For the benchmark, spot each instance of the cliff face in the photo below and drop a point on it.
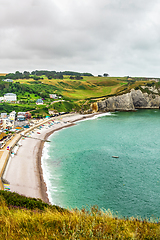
(129, 102)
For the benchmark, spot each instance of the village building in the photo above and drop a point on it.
(7, 123)
(10, 97)
(28, 115)
(8, 80)
(21, 118)
(39, 102)
(3, 115)
(53, 96)
(12, 115)
(21, 113)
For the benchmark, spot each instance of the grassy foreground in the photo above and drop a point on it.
(42, 221)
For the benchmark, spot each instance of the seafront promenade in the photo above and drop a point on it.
(5, 156)
(23, 171)
(5, 153)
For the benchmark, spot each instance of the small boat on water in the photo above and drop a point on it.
(115, 157)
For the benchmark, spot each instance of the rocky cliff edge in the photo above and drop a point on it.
(128, 102)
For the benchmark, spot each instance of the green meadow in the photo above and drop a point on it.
(90, 87)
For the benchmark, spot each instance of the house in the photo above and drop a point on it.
(21, 118)
(10, 97)
(51, 112)
(21, 113)
(53, 96)
(3, 115)
(12, 115)
(1, 99)
(8, 80)
(39, 102)
(28, 115)
(7, 123)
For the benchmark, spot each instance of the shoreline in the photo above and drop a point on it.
(43, 186)
(24, 171)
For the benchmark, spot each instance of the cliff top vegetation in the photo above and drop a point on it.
(27, 218)
(78, 90)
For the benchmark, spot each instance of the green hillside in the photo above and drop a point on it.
(77, 90)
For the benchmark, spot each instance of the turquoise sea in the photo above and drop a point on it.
(79, 169)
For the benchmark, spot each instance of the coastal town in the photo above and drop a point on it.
(15, 122)
(17, 126)
(29, 140)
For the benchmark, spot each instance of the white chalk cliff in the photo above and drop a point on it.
(129, 102)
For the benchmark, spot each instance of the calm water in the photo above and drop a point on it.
(80, 171)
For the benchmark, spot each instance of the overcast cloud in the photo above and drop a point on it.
(120, 37)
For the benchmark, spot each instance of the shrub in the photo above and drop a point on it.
(14, 199)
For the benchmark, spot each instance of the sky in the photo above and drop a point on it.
(118, 37)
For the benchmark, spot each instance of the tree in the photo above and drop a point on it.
(105, 75)
(78, 77)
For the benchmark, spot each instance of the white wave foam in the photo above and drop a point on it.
(45, 169)
(45, 151)
(102, 115)
(96, 116)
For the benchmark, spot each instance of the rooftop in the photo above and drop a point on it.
(9, 94)
(39, 101)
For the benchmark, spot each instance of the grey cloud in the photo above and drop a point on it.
(118, 36)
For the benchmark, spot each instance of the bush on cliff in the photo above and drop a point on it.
(16, 200)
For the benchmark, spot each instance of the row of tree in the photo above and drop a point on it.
(37, 74)
(40, 90)
(104, 75)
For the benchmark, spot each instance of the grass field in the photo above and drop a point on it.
(27, 218)
(88, 87)
(3, 74)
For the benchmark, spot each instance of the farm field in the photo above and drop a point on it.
(90, 87)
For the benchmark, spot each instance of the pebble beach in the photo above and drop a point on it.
(24, 171)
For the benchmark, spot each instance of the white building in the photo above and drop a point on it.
(3, 115)
(53, 96)
(7, 123)
(12, 115)
(39, 102)
(10, 97)
(8, 80)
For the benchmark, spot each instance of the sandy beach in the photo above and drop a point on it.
(24, 171)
